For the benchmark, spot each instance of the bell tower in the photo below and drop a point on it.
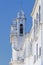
(17, 36)
(21, 23)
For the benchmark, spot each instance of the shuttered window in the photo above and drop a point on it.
(34, 58)
(39, 51)
(39, 13)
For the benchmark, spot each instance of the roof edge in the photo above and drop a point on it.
(34, 7)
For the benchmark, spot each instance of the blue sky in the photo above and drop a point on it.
(8, 11)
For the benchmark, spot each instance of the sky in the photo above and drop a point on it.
(8, 11)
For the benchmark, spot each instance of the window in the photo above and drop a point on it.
(39, 51)
(37, 16)
(31, 47)
(39, 13)
(34, 58)
(21, 29)
(35, 26)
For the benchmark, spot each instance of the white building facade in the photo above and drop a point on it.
(36, 17)
(26, 48)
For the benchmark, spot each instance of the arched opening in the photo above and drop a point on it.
(21, 29)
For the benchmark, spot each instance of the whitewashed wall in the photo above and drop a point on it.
(42, 28)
